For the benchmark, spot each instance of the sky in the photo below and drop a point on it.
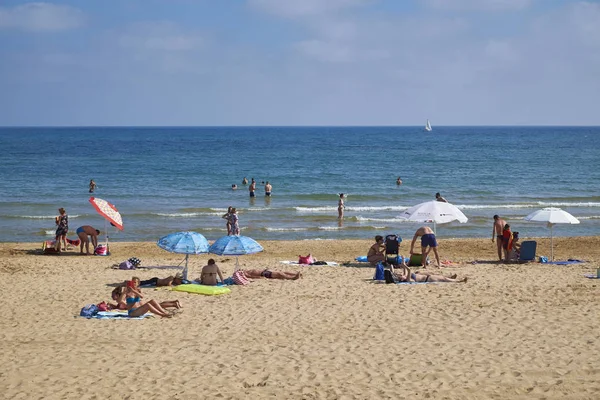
(299, 62)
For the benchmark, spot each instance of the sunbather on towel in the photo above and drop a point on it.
(136, 308)
(209, 274)
(407, 276)
(265, 273)
(168, 281)
(119, 296)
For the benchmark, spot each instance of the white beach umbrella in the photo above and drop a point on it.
(551, 216)
(438, 212)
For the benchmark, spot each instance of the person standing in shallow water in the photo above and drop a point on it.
(93, 186)
(252, 188)
(268, 189)
(341, 206)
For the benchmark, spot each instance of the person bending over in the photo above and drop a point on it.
(209, 273)
(428, 243)
(85, 233)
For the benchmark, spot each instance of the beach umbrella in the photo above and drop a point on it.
(184, 243)
(110, 214)
(235, 245)
(552, 216)
(438, 212)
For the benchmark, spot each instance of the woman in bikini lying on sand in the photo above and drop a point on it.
(119, 295)
(407, 276)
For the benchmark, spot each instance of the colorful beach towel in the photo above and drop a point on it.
(591, 276)
(568, 262)
(118, 315)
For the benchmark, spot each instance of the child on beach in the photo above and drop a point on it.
(507, 238)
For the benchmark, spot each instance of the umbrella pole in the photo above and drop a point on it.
(106, 232)
(185, 269)
(237, 263)
(551, 244)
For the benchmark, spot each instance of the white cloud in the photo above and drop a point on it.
(304, 8)
(478, 5)
(41, 17)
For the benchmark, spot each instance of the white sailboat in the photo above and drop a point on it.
(428, 126)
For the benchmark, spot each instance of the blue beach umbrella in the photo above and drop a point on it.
(235, 245)
(184, 243)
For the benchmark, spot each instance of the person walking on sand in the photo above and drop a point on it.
(341, 206)
(439, 197)
(268, 189)
(252, 188)
(428, 243)
(84, 233)
(497, 231)
(93, 186)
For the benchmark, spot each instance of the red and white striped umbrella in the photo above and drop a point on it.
(108, 211)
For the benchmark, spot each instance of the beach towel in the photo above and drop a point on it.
(364, 259)
(116, 315)
(568, 262)
(591, 276)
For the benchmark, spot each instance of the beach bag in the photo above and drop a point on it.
(89, 311)
(239, 278)
(101, 250)
(379, 272)
(389, 278)
(415, 260)
(309, 259)
(126, 265)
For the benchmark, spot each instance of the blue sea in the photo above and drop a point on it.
(164, 180)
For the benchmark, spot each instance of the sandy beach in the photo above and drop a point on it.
(513, 331)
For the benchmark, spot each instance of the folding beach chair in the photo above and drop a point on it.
(392, 249)
(528, 248)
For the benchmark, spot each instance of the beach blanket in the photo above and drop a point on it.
(568, 262)
(117, 315)
(296, 263)
(591, 276)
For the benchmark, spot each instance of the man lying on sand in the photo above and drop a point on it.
(265, 273)
(406, 276)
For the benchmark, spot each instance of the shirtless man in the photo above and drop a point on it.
(252, 188)
(268, 189)
(84, 233)
(209, 273)
(428, 243)
(439, 197)
(497, 231)
(265, 273)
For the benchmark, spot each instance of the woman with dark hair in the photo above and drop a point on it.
(377, 251)
(62, 222)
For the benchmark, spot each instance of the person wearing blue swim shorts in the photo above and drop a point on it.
(428, 243)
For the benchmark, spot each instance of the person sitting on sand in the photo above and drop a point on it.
(407, 276)
(376, 252)
(118, 295)
(514, 248)
(85, 233)
(265, 273)
(135, 308)
(209, 274)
